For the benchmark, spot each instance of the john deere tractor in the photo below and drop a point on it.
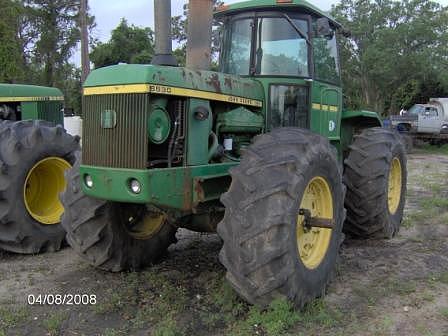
(35, 151)
(262, 152)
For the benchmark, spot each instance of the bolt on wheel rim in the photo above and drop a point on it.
(394, 186)
(313, 243)
(146, 226)
(41, 189)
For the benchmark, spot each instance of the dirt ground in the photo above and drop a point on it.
(390, 287)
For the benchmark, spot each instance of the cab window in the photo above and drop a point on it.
(289, 106)
(236, 59)
(280, 48)
(326, 61)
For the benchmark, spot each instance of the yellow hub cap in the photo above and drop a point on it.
(394, 189)
(147, 226)
(41, 190)
(312, 244)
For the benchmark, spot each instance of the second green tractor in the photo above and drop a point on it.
(261, 152)
(35, 151)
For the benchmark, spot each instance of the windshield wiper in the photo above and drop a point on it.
(297, 29)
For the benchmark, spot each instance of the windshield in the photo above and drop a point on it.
(425, 110)
(279, 47)
(417, 109)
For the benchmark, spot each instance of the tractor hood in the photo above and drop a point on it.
(178, 81)
(22, 92)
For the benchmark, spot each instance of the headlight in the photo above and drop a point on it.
(88, 181)
(135, 185)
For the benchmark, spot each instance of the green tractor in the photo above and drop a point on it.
(261, 152)
(35, 151)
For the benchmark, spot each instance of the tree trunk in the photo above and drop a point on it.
(85, 61)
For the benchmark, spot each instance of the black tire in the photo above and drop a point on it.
(408, 142)
(96, 231)
(22, 145)
(366, 176)
(260, 250)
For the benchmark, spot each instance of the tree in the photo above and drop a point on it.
(128, 44)
(84, 29)
(179, 26)
(11, 67)
(396, 46)
(58, 34)
(37, 39)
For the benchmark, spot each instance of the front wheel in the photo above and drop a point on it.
(283, 218)
(113, 236)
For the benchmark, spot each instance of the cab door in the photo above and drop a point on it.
(326, 101)
(430, 120)
(326, 109)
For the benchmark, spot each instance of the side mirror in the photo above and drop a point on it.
(323, 28)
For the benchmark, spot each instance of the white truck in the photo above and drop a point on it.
(427, 122)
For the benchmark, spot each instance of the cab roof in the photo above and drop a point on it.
(243, 6)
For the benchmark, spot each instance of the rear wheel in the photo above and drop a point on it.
(408, 142)
(113, 236)
(283, 218)
(33, 158)
(375, 176)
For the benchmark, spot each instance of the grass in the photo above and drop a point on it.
(435, 203)
(443, 277)
(125, 296)
(225, 300)
(12, 317)
(444, 312)
(280, 318)
(318, 313)
(428, 296)
(277, 319)
(113, 332)
(401, 287)
(431, 200)
(53, 323)
(146, 300)
(227, 311)
(434, 149)
(167, 327)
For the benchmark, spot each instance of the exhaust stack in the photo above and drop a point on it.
(200, 15)
(162, 22)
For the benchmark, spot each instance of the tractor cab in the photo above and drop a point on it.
(290, 47)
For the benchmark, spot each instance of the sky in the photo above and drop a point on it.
(108, 14)
(140, 13)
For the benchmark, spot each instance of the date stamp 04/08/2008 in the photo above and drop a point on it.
(61, 299)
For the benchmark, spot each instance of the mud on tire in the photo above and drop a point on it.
(259, 229)
(367, 173)
(24, 144)
(96, 231)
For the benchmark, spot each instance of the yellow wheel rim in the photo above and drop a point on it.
(313, 244)
(146, 227)
(394, 189)
(41, 190)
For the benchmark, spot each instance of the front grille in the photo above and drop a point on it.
(50, 111)
(126, 144)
